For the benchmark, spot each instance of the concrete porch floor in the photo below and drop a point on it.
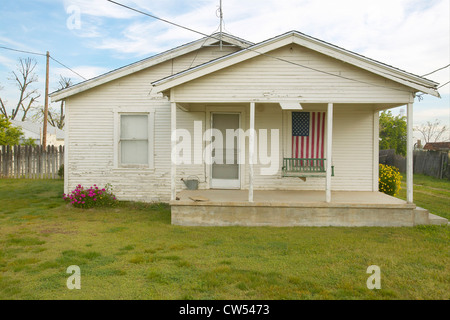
(293, 208)
(286, 197)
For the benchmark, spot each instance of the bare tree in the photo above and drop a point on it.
(432, 131)
(55, 117)
(23, 78)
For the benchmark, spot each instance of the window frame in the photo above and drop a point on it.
(118, 112)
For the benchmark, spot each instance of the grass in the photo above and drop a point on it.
(430, 193)
(133, 252)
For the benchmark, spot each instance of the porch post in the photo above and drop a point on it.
(409, 153)
(329, 146)
(173, 171)
(251, 150)
(376, 150)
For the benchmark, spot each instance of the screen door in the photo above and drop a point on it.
(225, 167)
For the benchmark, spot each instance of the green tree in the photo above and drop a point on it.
(9, 135)
(29, 142)
(393, 132)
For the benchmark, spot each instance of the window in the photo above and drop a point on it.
(134, 140)
(134, 137)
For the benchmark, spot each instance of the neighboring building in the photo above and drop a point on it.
(118, 125)
(55, 136)
(437, 146)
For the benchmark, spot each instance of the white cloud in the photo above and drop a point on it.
(430, 114)
(7, 62)
(412, 35)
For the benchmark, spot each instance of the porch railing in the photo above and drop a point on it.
(297, 167)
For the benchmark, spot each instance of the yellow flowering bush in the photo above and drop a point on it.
(389, 180)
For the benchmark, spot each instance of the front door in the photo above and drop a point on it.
(225, 173)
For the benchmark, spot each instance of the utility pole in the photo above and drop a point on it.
(44, 131)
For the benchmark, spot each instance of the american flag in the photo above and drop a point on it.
(308, 131)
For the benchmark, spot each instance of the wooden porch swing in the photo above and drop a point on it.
(304, 167)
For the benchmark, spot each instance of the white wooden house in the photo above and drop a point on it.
(119, 131)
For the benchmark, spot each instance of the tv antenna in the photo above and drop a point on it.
(221, 23)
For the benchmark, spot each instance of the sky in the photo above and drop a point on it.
(92, 37)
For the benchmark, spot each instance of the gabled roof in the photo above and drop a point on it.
(34, 129)
(148, 62)
(294, 37)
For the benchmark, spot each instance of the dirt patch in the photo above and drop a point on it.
(57, 231)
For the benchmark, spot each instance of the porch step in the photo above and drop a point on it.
(437, 220)
(421, 216)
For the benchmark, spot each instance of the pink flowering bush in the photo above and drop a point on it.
(91, 197)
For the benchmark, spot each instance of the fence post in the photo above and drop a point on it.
(60, 158)
(34, 159)
(40, 155)
(19, 160)
(1, 172)
(27, 162)
(30, 162)
(53, 162)
(1, 162)
(47, 162)
(14, 162)
(10, 159)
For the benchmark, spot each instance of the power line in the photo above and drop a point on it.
(68, 68)
(443, 84)
(253, 50)
(435, 70)
(29, 52)
(43, 54)
(164, 20)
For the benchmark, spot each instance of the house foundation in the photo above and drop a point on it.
(287, 208)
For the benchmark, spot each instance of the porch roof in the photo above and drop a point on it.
(294, 37)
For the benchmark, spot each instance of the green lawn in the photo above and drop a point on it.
(133, 252)
(430, 193)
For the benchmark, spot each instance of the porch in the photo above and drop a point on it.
(293, 208)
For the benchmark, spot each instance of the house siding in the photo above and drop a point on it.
(91, 127)
(264, 78)
(91, 130)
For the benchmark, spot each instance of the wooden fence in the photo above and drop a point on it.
(431, 163)
(31, 162)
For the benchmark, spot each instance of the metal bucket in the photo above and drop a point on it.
(191, 184)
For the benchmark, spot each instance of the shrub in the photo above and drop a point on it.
(389, 180)
(91, 197)
(61, 171)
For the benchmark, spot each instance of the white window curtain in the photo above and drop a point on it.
(134, 140)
